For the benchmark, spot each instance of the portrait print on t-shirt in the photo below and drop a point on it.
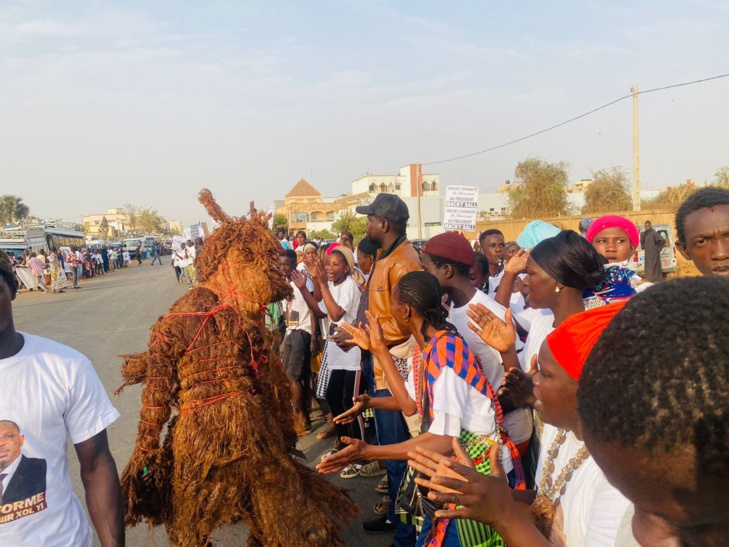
(22, 479)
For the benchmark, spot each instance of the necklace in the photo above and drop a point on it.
(551, 490)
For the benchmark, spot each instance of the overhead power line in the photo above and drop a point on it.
(630, 94)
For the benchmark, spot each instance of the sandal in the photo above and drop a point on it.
(329, 453)
(382, 506)
(351, 471)
(382, 486)
(373, 469)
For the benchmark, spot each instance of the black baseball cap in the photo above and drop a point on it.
(387, 206)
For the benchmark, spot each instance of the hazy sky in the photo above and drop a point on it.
(103, 103)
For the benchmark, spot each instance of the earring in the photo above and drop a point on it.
(556, 289)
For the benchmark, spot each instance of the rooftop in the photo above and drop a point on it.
(303, 189)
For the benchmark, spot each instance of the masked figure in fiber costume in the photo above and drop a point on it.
(212, 379)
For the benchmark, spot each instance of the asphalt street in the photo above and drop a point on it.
(110, 316)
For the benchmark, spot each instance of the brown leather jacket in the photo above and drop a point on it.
(388, 271)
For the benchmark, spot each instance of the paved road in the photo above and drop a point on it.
(111, 315)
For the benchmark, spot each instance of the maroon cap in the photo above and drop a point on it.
(451, 246)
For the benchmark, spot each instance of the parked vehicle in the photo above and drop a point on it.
(669, 262)
(132, 245)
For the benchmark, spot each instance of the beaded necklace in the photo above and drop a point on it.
(550, 491)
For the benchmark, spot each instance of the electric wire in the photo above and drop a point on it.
(551, 128)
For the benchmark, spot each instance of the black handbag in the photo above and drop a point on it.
(411, 497)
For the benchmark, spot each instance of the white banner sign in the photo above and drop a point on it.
(461, 203)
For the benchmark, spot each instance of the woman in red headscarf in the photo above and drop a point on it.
(574, 503)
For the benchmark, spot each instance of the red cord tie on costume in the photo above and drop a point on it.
(198, 403)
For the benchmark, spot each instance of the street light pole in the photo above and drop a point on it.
(636, 151)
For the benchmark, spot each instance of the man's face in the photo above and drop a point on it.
(11, 441)
(439, 272)
(280, 236)
(375, 228)
(707, 240)
(493, 248)
(648, 225)
(675, 505)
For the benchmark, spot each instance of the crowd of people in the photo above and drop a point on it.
(534, 392)
(52, 271)
(471, 363)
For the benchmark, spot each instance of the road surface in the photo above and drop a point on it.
(110, 316)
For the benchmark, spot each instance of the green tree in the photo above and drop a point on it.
(669, 199)
(349, 222)
(323, 234)
(104, 229)
(150, 221)
(541, 192)
(132, 212)
(12, 209)
(279, 221)
(721, 178)
(608, 192)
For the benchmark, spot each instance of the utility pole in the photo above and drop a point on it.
(636, 151)
(420, 188)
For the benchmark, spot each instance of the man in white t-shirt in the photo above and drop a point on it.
(449, 257)
(51, 392)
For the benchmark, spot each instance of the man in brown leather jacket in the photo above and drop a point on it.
(387, 219)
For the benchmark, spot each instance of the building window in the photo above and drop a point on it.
(303, 216)
(373, 188)
(317, 216)
(383, 188)
(434, 186)
(292, 218)
(397, 187)
(391, 188)
(426, 186)
(330, 216)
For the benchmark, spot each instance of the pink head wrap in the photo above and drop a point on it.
(613, 221)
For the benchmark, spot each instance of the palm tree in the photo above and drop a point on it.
(12, 209)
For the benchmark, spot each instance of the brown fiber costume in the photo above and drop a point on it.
(213, 380)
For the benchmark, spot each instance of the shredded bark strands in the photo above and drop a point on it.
(216, 429)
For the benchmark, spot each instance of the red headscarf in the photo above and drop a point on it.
(572, 341)
(613, 221)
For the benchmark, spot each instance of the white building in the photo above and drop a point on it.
(404, 184)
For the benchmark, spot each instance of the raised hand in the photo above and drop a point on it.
(518, 386)
(484, 498)
(342, 339)
(339, 460)
(299, 279)
(317, 273)
(359, 335)
(517, 263)
(500, 335)
(361, 403)
(374, 329)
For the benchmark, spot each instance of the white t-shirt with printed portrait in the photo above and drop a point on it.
(52, 393)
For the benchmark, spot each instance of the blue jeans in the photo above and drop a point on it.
(79, 271)
(391, 429)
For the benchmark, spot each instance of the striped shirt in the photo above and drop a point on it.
(37, 265)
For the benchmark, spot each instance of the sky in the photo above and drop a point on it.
(147, 102)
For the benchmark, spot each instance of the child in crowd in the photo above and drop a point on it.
(340, 296)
